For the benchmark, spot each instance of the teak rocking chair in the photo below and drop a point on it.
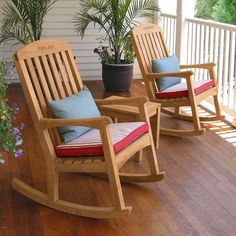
(149, 45)
(48, 71)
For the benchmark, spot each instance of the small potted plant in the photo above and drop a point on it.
(10, 135)
(116, 18)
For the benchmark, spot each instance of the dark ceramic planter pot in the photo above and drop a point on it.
(117, 77)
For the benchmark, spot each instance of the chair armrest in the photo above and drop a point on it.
(136, 101)
(96, 122)
(139, 102)
(180, 74)
(201, 66)
(100, 123)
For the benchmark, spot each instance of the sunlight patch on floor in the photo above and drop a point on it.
(228, 135)
(201, 112)
(222, 129)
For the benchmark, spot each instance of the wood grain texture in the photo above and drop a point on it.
(197, 196)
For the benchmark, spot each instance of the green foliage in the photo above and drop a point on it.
(3, 82)
(10, 136)
(218, 10)
(204, 8)
(225, 11)
(116, 18)
(23, 20)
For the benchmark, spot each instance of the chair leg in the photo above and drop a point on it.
(139, 156)
(152, 159)
(115, 186)
(217, 106)
(195, 116)
(177, 111)
(53, 185)
(155, 125)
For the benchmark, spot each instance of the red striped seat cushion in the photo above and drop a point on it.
(89, 144)
(180, 89)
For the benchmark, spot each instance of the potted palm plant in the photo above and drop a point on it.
(116, 18)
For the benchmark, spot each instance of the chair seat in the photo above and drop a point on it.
(89, 144)
(180, 89)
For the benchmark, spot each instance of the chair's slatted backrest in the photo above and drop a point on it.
(47, 71)
(149, 44)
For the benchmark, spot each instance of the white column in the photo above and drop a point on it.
(185, 9)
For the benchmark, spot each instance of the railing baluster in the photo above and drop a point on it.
(231, 69)
(201, 51)
(193, 44)
(206, 50)
(220, 63)
(211, 51)
(235, 78)
(188, 43)
(198, 49)
(226, 70)
(216, 46)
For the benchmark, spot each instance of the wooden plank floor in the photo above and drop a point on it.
(197, 196)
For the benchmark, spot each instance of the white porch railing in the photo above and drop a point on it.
(208, 41)
(168, 24)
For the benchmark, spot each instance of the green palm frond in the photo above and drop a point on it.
(140, 8)
(23, 20)
(115, 17)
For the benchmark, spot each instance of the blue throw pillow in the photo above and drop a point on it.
(79, 105)
(167, 64)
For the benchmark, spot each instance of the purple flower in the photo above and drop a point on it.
(18, 138)
(18, 153)
(15, 107)
(19, 141)
(22, 126)
(15, 131)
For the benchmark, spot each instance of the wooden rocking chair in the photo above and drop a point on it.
(48, 72)
(149, 45)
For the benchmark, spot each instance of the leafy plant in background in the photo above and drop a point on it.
(225, 11)
(218, 10)
(10, 136)
(23, 20)
(116, 18)
(204, 8)
(107, 54)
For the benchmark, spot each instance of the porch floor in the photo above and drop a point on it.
(197, 196)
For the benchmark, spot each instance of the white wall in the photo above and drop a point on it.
(59, 25)
(168, 6)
